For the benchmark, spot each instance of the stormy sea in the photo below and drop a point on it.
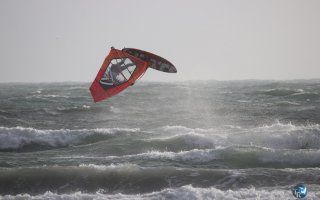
(183, 140)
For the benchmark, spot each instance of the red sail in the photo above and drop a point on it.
(118, 71)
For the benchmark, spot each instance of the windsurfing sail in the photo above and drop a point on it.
(118, 71)
(121, 68)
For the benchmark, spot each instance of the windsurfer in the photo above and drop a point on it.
(116, 69)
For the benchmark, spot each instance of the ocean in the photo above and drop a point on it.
(182, 140)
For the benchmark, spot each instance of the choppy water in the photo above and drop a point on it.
(186, 140)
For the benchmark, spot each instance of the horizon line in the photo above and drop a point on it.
(175, 81)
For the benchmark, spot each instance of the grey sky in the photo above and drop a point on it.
(67, 40)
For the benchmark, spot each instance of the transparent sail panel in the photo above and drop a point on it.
(119, 71)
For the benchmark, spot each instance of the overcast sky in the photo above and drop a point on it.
(67, 40)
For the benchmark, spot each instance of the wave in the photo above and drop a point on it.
(194, 156)
(230, 157)
(73, 108)
(288, 103)
(282, 136)
(290, 126)
(29, 139)
(306, 95)
(169, 138)
(184, 192)
(277, 124)
(291, 96)
(84, 108)
(282, 91)
(113, 167)
(186, 140)
(131, 181)
(183, 129)
(46, 96)
(106, 152)
(277, 135)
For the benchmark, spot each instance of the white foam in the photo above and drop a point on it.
(262, 155)
(83, 107)
(244, 101)
(86, 107)
(118, 167)
(183, 193)
(183, 129)
(288, 103)
(288, 126)
(115, 110)
(46, 96)
(39, 91)
(196, 155)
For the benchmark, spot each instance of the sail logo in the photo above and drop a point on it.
(299, 191)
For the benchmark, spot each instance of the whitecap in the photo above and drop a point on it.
(180, 193)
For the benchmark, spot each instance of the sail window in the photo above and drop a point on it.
(118, 71)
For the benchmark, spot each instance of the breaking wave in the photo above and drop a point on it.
(183, 192)
(171, 138)
(230, 157)
(276, 136)
(20, 138)
(226, 157)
